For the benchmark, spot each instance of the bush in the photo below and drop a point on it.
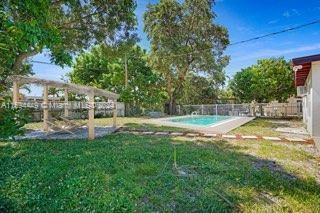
(12, 120)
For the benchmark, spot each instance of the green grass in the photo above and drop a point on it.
(153, 127)
(258, 126)
(131, 123)
(134, 173)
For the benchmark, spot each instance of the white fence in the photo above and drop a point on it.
(275, 110)
(77, 110)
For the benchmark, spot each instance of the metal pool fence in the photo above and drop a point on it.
(272, 110)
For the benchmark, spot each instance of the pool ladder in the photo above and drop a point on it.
(194, 113)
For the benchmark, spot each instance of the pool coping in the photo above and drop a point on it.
(222, 127)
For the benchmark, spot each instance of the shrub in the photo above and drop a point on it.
(12, 120)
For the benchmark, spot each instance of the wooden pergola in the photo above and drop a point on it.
(91, 92)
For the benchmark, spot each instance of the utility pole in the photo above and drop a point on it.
(126, 70)
(126, 82)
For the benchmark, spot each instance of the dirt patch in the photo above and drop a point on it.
(273, 167)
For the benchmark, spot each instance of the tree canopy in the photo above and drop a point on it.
(63, 28)
(269, 79)
(184, 39)
(104, 67)
(199, 90)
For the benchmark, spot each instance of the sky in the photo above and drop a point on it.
(244, 19)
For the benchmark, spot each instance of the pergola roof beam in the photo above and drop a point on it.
(78, 89)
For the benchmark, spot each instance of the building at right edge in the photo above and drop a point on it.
(307, 81)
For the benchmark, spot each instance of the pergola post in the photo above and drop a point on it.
(66, 104)
(15, 93)
(45, 108)
(78, 89)
(91, 134)
(115, 111)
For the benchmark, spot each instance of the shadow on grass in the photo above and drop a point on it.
(127, 173)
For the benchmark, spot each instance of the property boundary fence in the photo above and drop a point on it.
(271, 110)
(77, 109)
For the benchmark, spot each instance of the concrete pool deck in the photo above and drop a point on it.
(80, 133)
(221, 127)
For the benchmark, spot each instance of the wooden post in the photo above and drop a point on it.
(91, 134)
(66, 110)
(253, 105)
(45, 108)
(286, 110)
(115, 111)
(15, 93)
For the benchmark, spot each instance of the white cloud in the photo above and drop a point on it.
(273, 21)
(243, 29)
(290, 13)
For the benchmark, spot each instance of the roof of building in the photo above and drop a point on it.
(302, 67)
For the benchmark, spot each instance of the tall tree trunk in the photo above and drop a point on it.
(170, 94)
(172, 105)
(179, 86)
(16, 67)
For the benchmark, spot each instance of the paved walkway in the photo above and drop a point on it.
(225, 127)
(80, 133)
(219, 136)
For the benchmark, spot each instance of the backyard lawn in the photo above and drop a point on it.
(131, 123)
(259, 126)
(265, 127)
(125, 172)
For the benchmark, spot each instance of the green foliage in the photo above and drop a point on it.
(270, 79)
(199, 90)
(12, 120)
(62, 28)
(104, 67)
(184, 40)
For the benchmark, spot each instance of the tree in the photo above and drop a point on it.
(269, 79)
(104, 67)
(61, 27)
(199, 90)
(54, 92)
(184, 39)
(12, 120)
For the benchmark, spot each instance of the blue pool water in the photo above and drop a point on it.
(201, 120)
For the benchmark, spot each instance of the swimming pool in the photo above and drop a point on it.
(201, 120)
